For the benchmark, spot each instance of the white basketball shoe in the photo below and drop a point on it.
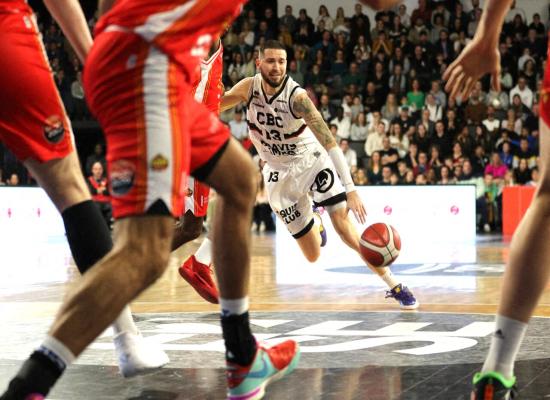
(138, 356)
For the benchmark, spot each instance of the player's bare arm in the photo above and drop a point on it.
(236, 95)
(70, 18)
(303, 107)
(481, 55)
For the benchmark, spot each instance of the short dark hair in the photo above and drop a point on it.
(272, 44)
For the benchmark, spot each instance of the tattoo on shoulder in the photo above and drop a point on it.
(304, 107)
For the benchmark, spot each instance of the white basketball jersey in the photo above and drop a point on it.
(280, 137)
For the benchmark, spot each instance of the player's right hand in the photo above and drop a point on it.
(355, 204)
(477, 59)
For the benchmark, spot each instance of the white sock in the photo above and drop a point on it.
(505, 345)
(125, 322)
(57, 352)
(234, 306)
(389, 279)
(204, 252)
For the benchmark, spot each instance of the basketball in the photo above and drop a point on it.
(380, 244)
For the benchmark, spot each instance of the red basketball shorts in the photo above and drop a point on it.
(196, 199)
(33, 122)
(156, 132)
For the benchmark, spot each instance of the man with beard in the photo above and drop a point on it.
(303, 161)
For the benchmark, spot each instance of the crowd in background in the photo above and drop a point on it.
(377, 83)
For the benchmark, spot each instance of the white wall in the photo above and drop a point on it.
(312, 6)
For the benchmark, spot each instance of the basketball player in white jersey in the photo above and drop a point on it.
(303, 161)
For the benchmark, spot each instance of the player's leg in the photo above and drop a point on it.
(348, 234)
(223, 164)
(231, 239)
(197, 269)
(188, 228)
(35, 126)
(525, 278)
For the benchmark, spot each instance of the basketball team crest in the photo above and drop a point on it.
(122, 174)
(54, 129)
(159, 163)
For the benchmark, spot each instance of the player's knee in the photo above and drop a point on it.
(245, 187)
(312, 256)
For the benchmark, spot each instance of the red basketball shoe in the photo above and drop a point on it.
(199, 276)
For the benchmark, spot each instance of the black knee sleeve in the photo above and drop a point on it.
(88, 235)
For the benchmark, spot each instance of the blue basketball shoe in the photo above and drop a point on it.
(322, 231)
(404, 296)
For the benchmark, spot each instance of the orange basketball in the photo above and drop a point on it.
(380, 244)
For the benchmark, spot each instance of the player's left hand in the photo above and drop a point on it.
(356, 205)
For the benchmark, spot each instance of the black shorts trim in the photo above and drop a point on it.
(159, 207)
(332, 201)
(304, 231)
(204, 170)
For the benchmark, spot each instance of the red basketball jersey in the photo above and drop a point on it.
(182, 29)
(208, 90)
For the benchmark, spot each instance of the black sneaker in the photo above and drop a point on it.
(493, 386)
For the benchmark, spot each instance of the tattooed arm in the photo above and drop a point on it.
(303, 107)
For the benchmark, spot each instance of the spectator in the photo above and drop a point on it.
(496, 169)
(77, 92)
(325, 17)
(327, 110)
(288, 19)
(403, 15)
(374, 140)
(238, 127)
(523, 91)
(349, 154)
(374, 169)
(343, 124)
(97, 155)
(446, 178)
(388, 155)
(422, 166)
(398, 140)
(390, 110)
(522, 174)
(99, 189)
(13, 180)
(294, 73)
(360, 177)
(415, 97)
(359, 128)
(442, 139)
(534, 177)
(386, 176)
(506, 154)
(524, 153)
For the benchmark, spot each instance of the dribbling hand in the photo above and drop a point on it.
(355, 204)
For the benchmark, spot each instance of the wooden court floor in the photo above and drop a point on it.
(356, 343)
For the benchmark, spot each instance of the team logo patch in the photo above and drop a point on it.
(323, 181)
(189, 192)
(54, 130)
(159, 163)
(122, 174)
